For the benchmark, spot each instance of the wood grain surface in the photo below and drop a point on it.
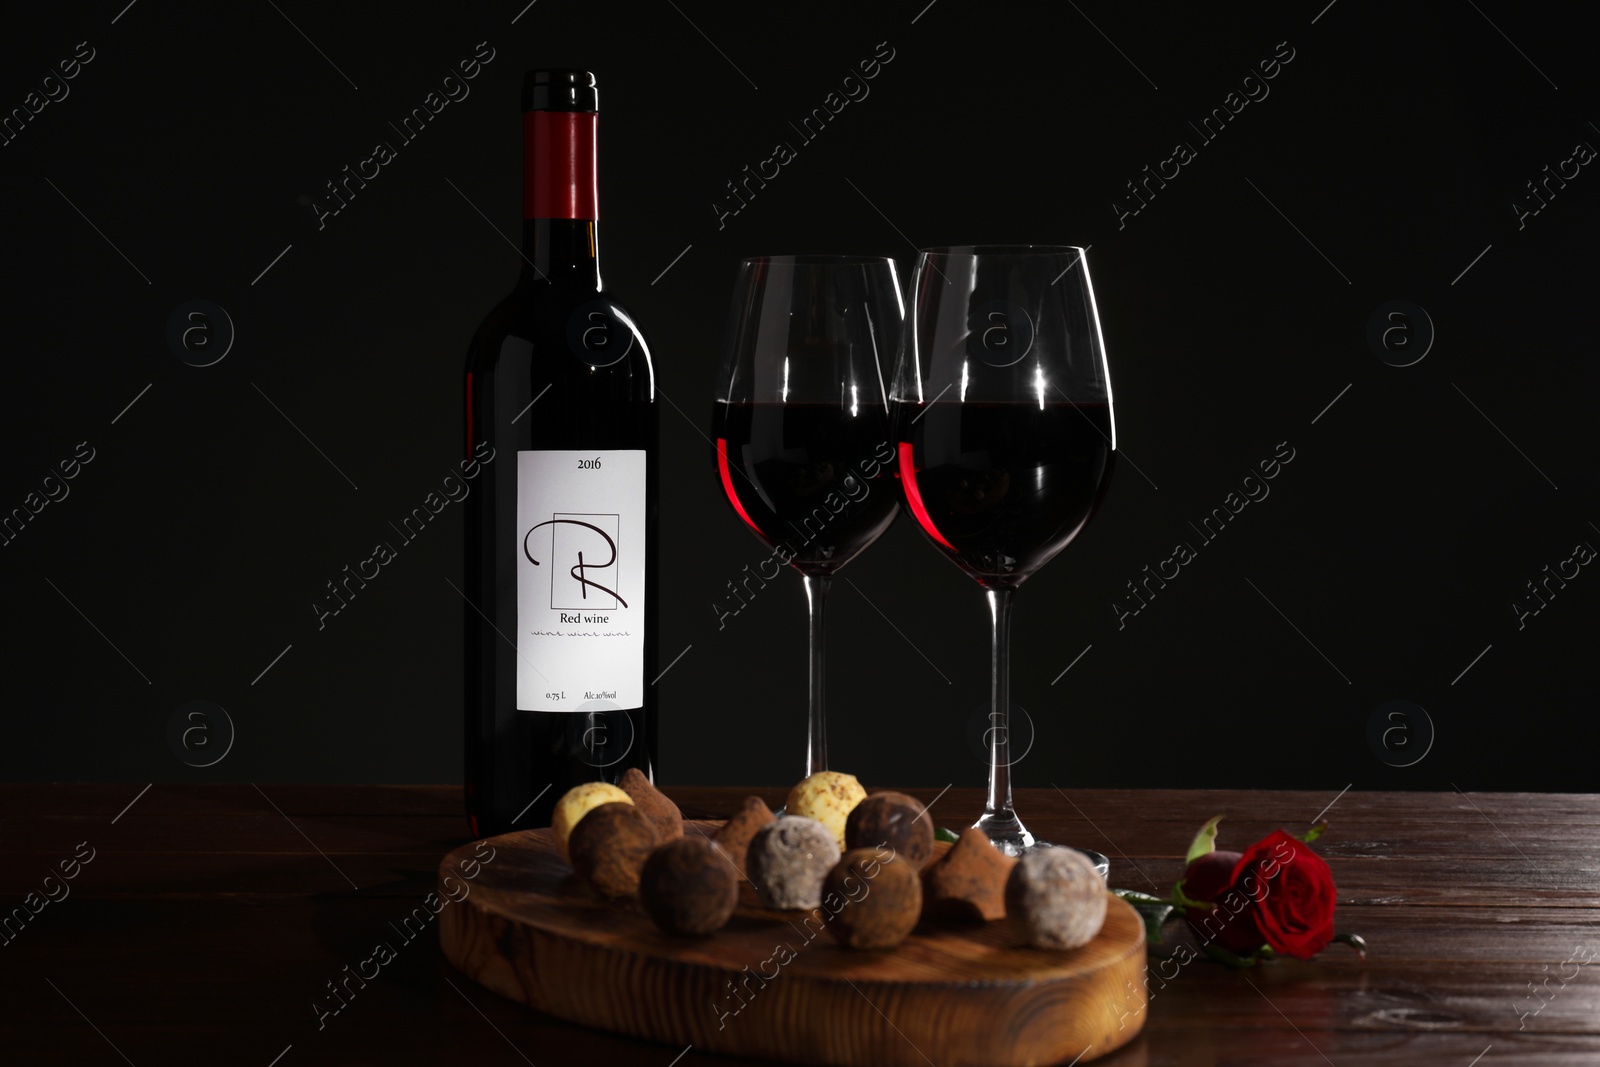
(213, 918)
(532, 932)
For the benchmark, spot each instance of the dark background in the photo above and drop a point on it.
(189, 551)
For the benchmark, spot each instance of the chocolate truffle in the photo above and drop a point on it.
(968, 883)
(1056, 898)
(892, 819)
(878, 898)
(609, 847)
(735, 834)
(662, 813)
(689, 887)
(577, 802)
(788, 859)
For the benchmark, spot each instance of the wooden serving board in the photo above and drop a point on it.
(529, 930)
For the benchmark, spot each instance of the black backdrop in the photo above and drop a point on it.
(1383, 161)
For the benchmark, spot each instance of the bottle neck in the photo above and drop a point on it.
(563, 252)
(560, 240)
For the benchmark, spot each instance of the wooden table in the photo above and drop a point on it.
(211, 919)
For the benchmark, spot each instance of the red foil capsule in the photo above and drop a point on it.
(560, 148)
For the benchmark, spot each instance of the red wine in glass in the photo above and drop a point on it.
(1002, 487)
(807, 476)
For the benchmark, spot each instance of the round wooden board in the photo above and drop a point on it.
(970, 996)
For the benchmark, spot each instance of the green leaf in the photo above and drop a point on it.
(1355, 941)
(1153, 910)
(1315, 832)
(1133, 896)
(1226, 958)
(942, 834)
(1205, 841)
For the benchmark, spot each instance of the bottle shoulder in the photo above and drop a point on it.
(527, 312)
(587, 330)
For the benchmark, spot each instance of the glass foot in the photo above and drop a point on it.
(1101, 864)
(1008, 834)
(1016, 844)
(1006, 831)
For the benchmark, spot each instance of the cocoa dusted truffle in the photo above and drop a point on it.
(878, 897)
(968, 883)
(609, 846)
(1056, 898)
(688, 887)
(735, 834)
(788, 860)
(892, 819)
(662, 813)
(577, 802)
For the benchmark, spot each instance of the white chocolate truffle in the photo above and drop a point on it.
(828, 797)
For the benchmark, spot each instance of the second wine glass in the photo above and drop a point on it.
(801, 426)
(1003, 419)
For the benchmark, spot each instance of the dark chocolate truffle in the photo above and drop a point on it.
(892, 819)
(874, 897)
(609, 846)
(662, 813)
(689, 887)
(735, 834)
(968, 882)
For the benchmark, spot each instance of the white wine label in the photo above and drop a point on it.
(580, 580)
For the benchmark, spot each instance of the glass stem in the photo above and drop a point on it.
(1000, 820)
(817, 586)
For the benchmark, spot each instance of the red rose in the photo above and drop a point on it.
(1277, 892)
(1230, 921)
(1293, 894)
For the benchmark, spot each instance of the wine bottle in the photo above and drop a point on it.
(561, 532)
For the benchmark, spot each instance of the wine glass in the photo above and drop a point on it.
(1004, 430)
(801, 426)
